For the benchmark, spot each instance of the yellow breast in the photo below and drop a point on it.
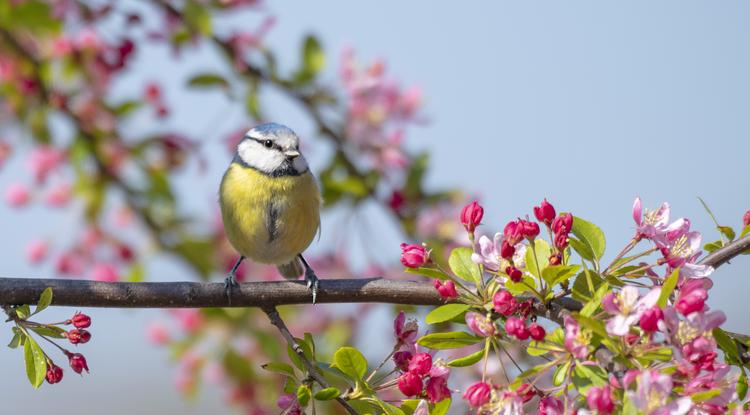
(269, 219)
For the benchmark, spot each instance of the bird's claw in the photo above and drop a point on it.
(230, 283)
(312, 283)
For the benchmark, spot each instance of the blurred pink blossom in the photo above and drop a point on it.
(17, 195)
(59, 195)
(37, 250)
(104, 272)
(43, 160)
(157, 333)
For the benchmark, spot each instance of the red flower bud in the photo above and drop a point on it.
(746, 218)
(514, 325)
(530, 229)
(513, 232)
(555, 259)
(125, 253)
(80, 321)
(77, 336)
(525, 392)
(397, 201)
(447, 289)
(691, 303)
(562, 224)
(77, 362)
(413, 256)
(410, 384)
(54, 374)
(545, 212)
(478, 394)
(471, 216)
(514, 274)
(523, 333)
(650, 319)
(401, 360)
(420, 364)
(600, 399)
(561, 241)
(507, 250)
(537, 332)
(504, 303)
(437, 389)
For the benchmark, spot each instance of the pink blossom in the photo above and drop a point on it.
(650, 319)
(36, 251)
(414, 256)
(405, 331)
(563, 224)
(692, 296)
(600, 399)
(437, 389)
(104, 272)
(189, 320)
(420, 364)
(652, 395)
(289, 404)
(549, 405)
(627, 308)
(423, 408)
(59, 195)
(158, 334)
(575, 340)
(43, 160)
(682, 250)
(650, 224)
(401, 359)
(516, 327)
(69, 263)
(17, 195)
(478, 394)
(513, 232)
(481, 325)
(746, 218)
(504, 303)
(490, 253)
(446, 289)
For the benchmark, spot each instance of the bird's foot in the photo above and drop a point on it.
(312, 283)
(230, 283)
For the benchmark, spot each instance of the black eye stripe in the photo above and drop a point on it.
(262, 142)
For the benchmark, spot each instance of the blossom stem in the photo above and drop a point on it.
(486, 357)
(622, 253)
(380, 366)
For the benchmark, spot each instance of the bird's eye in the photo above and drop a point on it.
(268, 143)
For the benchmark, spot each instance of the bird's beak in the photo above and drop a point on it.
(292, 154)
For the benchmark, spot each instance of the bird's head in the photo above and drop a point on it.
(272, 149)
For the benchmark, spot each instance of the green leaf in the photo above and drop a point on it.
(542, 255)
(237, 366)
(595, 325)
(560, 373)
(279, 367)
(306, 350)
(124, 108)
(445, 313)
(45, 299)
(136, 273)
(17, 339)
(582, 248)
(668, 288)
(727, 345)
(351, 362)
(727, 231)
(522, 286)
(208, 80)
(663, 354)
(313, 60)
(49, 331)
(712, 246)
(36, 364)
(585, 285)
(590, 235)
(427, 272)
(23, 311)
(592, 305)
(467, 360)
(198, 17)
(559, 273)
(389, 409)
(745, 231)
(533, 349)
(441, 408)
(449, 340)
(742, 386)
(327, 394)
(586, 376)
(303, 395)
(705, 395)
(462, 265)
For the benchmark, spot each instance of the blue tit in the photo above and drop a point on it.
(270, 203)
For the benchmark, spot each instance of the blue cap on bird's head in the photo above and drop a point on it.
(272, 149)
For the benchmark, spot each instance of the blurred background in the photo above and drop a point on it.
(120, 139)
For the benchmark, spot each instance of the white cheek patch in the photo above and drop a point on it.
(257, 156)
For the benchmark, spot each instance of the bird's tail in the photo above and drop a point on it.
(291, 270)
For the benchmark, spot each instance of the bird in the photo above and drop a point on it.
(270, 204)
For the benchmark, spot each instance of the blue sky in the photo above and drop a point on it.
(586, 103)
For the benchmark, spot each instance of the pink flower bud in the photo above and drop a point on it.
(600, 400)
(530, 229)
(446, 289)
(125, 253)
(507, 250)
(413, 256)
(504, 303)
(562, 224)
(513, 232)
(420, 364)
(36, 251)
(514, 326)
(77, 362)
(104, 272)
(478, 394)
(537, 332)
(471, 216)
(78, 336)
(80, 321)
(54, 374)
(695, 301)
(480, 324)
(437, 389)
(401, 360)
(650, 319)
(746, 218)
(17, 195)
(514, 274)
(525, 392)
(545, 212)
(410, 384)
(561, 241)
(550, 405)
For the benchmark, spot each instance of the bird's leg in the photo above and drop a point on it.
(312, 280)
(231, 281)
